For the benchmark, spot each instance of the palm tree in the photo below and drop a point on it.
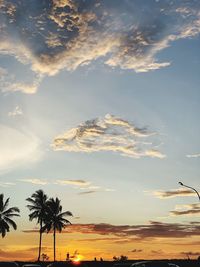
(38, 208)
(55, 220)
(6, 216)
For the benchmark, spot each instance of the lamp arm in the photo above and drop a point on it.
(193, 190)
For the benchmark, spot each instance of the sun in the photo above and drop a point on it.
(78, 259)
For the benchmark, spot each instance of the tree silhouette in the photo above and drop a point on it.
(55, 220)
(6, 215)
(38, 208)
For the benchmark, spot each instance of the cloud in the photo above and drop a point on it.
(34, 181)
(73, 182)
(193, 155)
(137, 250)
(6, 184)
(87, 192)
(78, 183)
(86, 187)
(190, 210)
(100, 239)
(173, 193)
(18, 148)
(9, 83)
(67, 34)
(16, 112)
(110, 190)
(157, 252)
(152, 230)
(109, 134)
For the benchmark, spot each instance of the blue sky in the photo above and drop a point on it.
(100, 107)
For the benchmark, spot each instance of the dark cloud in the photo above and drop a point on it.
(136, 232)
(190, 210)
(107, 239)
(137, 250)
(51, 35)
(109, 134)
(186, 212)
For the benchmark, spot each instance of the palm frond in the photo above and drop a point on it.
(66, 213)
(6, 215)
(10, 210)
(6, 204)
(11, 222)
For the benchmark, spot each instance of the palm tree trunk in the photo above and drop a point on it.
(54, 243)
(40, 242)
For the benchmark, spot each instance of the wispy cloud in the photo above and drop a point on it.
(69, 34)
(137, 250)
(10, 82)
(190, 210)
(6, 184)
(193, 155)
(87, 192)
(84, 187)
(109, 134)
(34, 181)
(157, 252)
(78, 183)
(16, 112)
(173, 193)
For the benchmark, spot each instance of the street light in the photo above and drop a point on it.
(191, 189)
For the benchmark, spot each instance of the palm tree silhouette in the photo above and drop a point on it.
(6, 216)
(38, 208)
(55, 220)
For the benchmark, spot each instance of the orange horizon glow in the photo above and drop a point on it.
(157, 249)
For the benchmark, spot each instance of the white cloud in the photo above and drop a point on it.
(84, 187)
(110, 190)
(6, 184)
(108, 134)
(34, 181)
(73, 182)
(16, 112)
(18, 148)
(9, 83)
(193, 155)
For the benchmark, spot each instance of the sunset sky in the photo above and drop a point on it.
(99, 106)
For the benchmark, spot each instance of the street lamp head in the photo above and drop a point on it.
(180, 183)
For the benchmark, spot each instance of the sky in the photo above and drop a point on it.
(99, 106)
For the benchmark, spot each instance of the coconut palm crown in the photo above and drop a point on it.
(6, 215)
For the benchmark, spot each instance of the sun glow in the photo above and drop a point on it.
(77, 260)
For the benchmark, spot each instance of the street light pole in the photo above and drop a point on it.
(191, 189)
